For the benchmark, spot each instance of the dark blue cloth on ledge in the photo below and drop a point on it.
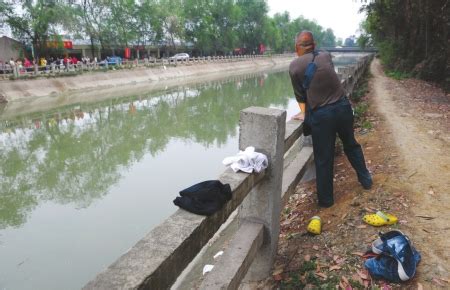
(204, 198)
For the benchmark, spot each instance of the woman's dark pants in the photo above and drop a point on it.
(325, 122)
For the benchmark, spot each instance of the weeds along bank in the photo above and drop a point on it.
(128, 79)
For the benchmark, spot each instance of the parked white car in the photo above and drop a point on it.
(180, 56)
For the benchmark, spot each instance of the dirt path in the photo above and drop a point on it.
(425, 169)
(406, 146)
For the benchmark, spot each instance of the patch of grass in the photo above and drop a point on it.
(398, 75)
(360, 110)
(366, 124)
(357, 94)
(360, 106)
(306, 276)
(311, 278)
(356, 284)
(361, 89)
(308, 266)
(294, 282)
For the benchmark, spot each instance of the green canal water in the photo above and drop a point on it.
(80, 185)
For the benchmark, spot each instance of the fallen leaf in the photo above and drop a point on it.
(277, 277)
(322, 275)
(356, 277)
(419, 286)
(361, 227)
(357, 254)
(426, 217)
(286, 222)
(345, 280)
(335, 257)
(278, 272)
(332, 268)
(370, 209)
(340, 261)
(445, 280)
(435, 280)
(315, 247)
(362, 275)
(307, 258)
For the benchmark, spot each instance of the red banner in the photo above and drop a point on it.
(127, 52)
(262, 48)
(65, 43)
(68, 44)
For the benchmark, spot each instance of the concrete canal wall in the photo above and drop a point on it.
(115, 81)
(159, 258)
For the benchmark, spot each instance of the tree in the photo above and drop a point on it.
(282, 23)
(252, 20)
(328, 38)
(170, 15)
(148, 24)
(35, 22)
(122, 25)
(209, 26)
(90, 20)
(411, 35)
(350, 41)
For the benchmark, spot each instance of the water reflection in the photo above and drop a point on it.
(75, 154)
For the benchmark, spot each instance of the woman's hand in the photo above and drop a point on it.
(300, 116)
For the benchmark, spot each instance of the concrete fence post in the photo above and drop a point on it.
(264, 129)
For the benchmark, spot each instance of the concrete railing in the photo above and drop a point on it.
(159, 258)
(352, 73)
(14, 72)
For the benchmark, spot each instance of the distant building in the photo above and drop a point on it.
(10, 48)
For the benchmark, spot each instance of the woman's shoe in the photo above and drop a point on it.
(379, 219)
(315, 225)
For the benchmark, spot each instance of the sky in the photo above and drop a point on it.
(340, 15)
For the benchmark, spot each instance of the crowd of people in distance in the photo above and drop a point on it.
(25, 64)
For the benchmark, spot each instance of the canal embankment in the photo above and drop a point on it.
(120, 80)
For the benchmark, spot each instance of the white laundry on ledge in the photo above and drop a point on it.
(247, 161)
